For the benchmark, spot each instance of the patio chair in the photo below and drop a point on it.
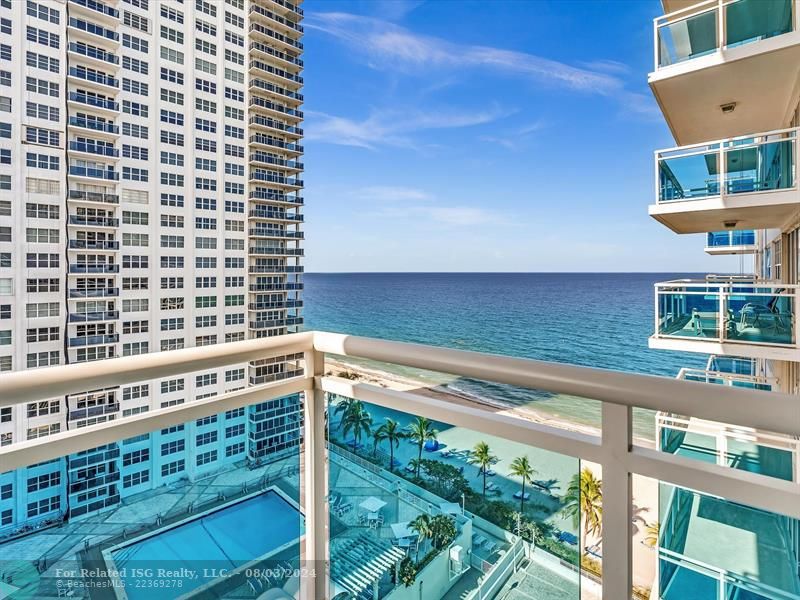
(490, 548)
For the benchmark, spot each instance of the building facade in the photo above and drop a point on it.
(150, 183)
(733, 177)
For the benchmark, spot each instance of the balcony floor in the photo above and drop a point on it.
(737, 539)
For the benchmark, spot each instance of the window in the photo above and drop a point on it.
(171, 96)
(204, 85)
(41, 11)
(42, 111)
(204, 27)
(206, 458)
(136, 478)
(134, 108)
(39, 86)
(134, 348)
(171, 117)
(172, 35)
(39, 61)
(172, 200)
(171, 76)
(135, 65)
(137, 22)
(135, 87)
(42, 359)
(172, 468)
(205, 145)
(206, 7)
(33, 34)
(135, 392)
(134, 43)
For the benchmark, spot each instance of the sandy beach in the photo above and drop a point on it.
(645, 491)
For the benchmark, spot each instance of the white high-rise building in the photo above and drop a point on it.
(149, 181)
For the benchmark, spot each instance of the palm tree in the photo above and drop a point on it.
(482, 457)
(343, 405)
(375, 441)
(521, 467)
(422, 526)
(391, 432)
(357, 420)
(584, 502)
(651, 537)
(443, 530)
(421, 430)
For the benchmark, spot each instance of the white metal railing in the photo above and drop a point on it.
(613, 449)
(740, 310)
(677, 27)
(756, 382)
(712, 155)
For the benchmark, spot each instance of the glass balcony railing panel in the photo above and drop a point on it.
(713, 548)
(749, 21)
(760, 167)
(425, 509)
(722, 239)
(687, 38)
(691, 313)
(761, 315)
(689, 177)
(732, 364)
(207, 507)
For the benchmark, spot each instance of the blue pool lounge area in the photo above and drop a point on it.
(196, 549)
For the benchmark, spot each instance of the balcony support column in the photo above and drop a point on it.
(617, 503)
(314, 569)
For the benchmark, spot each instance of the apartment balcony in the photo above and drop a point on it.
(92, 197)
(267, 124)
(95, 10)
(274, 251)
(259, 139)
(258, 32)
(314, 514)
(104, 106)
(752, 382)
(93, 56)
(266, 159)
(257, 104)
(93, 33)
(731, 242)
(285, 7)
(270, 53)
(93, 150)
(93, 173)
(95, 411)
(92, 221)
(93, 79)
(727, 317)
(93, 268)
(704, 52)
(95, 126)
(278, 305)
(276, 179)
(274, 21)
(275, 287)
(94, 293)
(277, 269)
(93, 340)
(262, 232)
(745, 183)
(258, 86)
(276, 323)
(93, 317)
(281, 76)
(275, 215)
(100, 245)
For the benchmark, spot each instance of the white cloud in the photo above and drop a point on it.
(387, 44)
(390, 127)
(389, 193)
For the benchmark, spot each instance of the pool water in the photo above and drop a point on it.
(196, 552)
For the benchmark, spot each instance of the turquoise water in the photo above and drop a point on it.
(196, 551)
(592, 319)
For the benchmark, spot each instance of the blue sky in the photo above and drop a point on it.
(448, 135)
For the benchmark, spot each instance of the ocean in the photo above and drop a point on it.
(593, 319)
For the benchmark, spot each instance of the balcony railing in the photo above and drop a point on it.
(707, 27)
(94, 29)
(92, 221)
(84, 268)
(94, 77)
(97, 149)
(94, 101)
(99, 7)
(94, 244)
(752, 382)
(103, 126)
(325, 553)
(724, 239)
(94, 293)
(93, 340)
(83, 317)
(94, 196)
(95, 53)
(758, 163)
(742, 312)
(78, 171)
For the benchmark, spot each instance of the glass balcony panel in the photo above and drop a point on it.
(720, 239)
(688, 38)
(732, 364)
(753, 20)
(408, 516)
(688, 177)
(712, 548)
(749, 456)
(760, 168)
(209, 507)
(689, 314)
(760, 315)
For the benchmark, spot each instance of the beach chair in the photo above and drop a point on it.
(490, 548)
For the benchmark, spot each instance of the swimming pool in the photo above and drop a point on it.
(195, 552)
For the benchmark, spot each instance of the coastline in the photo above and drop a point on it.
(375, 376)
